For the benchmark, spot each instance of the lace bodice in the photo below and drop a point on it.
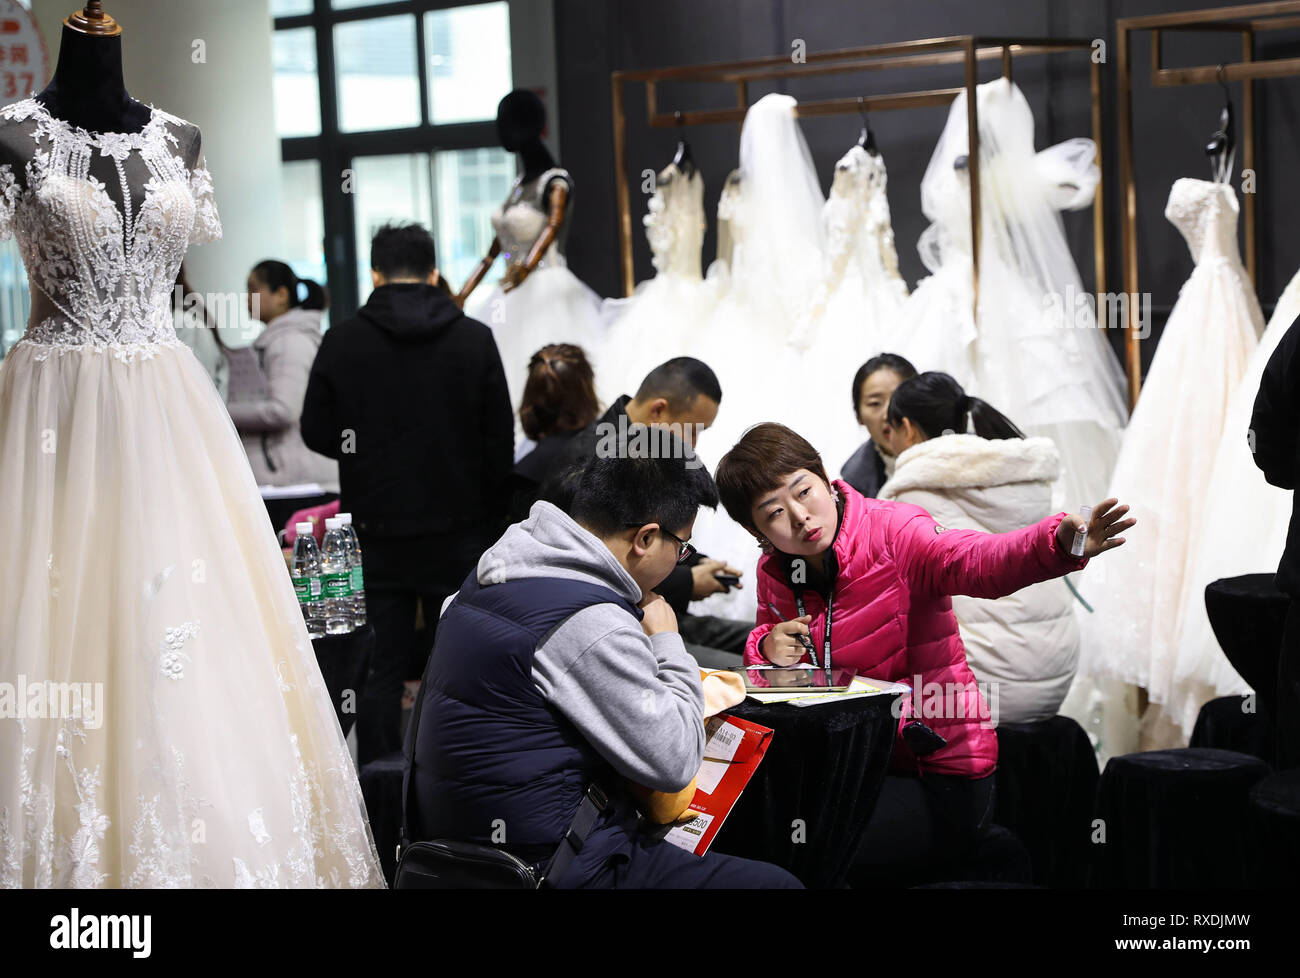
(102, 222)
(522, 218)
(859, 231)
(1205, 213)
(675, 223)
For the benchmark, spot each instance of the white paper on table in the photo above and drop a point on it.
(859, 688)
(292, 492)
(687, 835)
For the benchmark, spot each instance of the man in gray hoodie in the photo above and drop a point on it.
(558, 681)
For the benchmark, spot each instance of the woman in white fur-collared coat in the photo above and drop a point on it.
(1025, 645)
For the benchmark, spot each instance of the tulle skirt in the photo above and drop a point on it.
(1165, 463)
(166, 723)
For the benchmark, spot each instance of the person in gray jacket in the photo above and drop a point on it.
(268, 423)
(558, 681)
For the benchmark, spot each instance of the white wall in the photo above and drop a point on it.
(228, 96)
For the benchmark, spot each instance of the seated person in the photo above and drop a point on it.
(556, 668)
(559, 401)
(885, 572)
(873, 463)
(1025, 645)
(683, 396)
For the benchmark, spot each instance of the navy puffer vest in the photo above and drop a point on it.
(493, 763)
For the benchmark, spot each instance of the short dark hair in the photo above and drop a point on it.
(666, 484)
(760, 462)
(679, 381)
(560, 393)
(882, 361)
(403, 251)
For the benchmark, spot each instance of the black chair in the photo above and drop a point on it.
(381, 787)
(1174, 819)
(1046, 785)
(1275, 830)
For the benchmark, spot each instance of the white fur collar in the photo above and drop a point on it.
(968, 461)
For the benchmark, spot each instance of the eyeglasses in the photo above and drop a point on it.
(686, 550)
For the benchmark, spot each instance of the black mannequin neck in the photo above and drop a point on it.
(87, 89)
(537, 159)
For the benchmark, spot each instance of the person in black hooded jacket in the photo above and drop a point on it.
(410, 396)
(1275, 441)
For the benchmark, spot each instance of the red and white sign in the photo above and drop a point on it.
(24, 59)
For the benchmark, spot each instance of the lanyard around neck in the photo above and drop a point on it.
(826, 639)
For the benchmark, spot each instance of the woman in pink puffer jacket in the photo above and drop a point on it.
(889, 570)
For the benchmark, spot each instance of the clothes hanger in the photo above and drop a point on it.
(1221, 149)
(683, 159)
(866, 138)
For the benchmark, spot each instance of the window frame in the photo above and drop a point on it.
(336, 150)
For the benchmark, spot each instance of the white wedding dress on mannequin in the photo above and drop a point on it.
(1243, 531)
(857, 309)
(194, 743)
(663, 318)
(773, 216)
(1036, 354)
(1168, 456)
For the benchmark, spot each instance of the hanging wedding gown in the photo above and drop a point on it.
(1243, 531)
(857, 309)
(773, 217)
(662, 319)
(137, 565)
(1168, 455)
(552, 305)
(1036, 353)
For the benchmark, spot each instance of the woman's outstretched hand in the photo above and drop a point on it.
(1107, 521)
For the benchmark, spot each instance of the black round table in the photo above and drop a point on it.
(808, 804)
(343, 661)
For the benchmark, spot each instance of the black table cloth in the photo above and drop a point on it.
(808, 804)
(1175, 819)
(343, 660)
(1047, 782)
(1225, 724)
(1247, 614)
(1275, 830)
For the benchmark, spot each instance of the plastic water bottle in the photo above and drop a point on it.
(307, 581)
(336, 579)
(358, 576)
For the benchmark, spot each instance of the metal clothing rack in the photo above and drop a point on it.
(966, 50)
(1245, 20)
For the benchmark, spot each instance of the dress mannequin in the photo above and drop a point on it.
(538, 300)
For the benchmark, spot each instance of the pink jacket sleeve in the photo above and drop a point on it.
(939, 561)
(765, 620)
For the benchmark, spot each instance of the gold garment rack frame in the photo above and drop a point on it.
(965, 49)
(1246, 20)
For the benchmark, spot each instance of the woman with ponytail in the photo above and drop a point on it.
(292, 309)
(559, 401)
(971, 468)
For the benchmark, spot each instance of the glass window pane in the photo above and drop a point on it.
(468, 50)
(296, 85)
(468, 185)
(302, 216)
(387, 188)
(345, 4)
(289, 8)
(15, 299)
(378, 81)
